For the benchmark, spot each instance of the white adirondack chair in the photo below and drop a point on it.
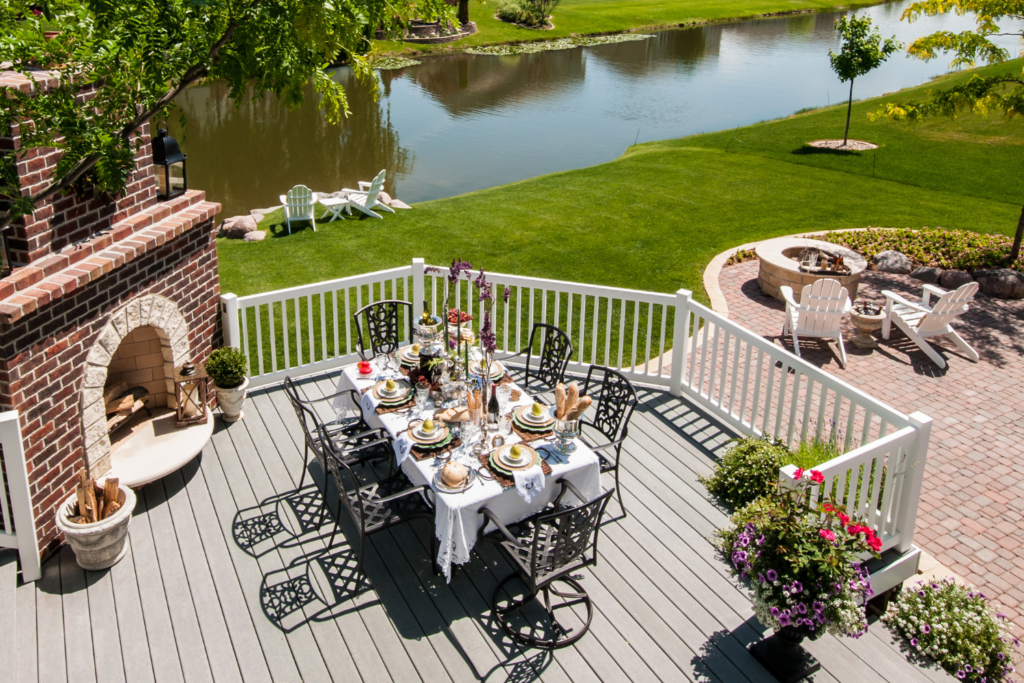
(819, 313)
(298, 206)
(921, 321)
(365, 198)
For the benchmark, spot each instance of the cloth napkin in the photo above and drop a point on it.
(529, 483)
(403, 447)
(369, 403)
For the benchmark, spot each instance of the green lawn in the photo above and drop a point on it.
(610, 16)
(653, 218)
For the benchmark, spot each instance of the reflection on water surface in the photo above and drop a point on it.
(464, 122)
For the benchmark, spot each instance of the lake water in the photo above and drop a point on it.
(463, 122)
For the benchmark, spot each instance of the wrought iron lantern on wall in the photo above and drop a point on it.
(190, 392)
(170, 162)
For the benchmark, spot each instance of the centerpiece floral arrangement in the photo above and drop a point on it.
(802, 560)
(957, 627)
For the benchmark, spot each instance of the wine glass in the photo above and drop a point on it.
(504, 393)
(381, 359)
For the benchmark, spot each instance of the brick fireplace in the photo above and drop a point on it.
(104, 289)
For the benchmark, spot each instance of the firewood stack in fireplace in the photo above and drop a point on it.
(122, 402)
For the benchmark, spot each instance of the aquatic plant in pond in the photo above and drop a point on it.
(388, 63)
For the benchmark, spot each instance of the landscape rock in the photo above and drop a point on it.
(255, 236)
(258, 214)
(384, 198)
(927, 275)
(951, 279)
(399, 204)
(333, 195)
(237, 227)
(892, 261)
(1002, 283)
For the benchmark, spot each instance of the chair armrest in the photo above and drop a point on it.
(363, 185)
(380, 433)
(567, 485)
(407, 492)
(351, 191)
(787, 294)
(501, 527)
(929, 290)
(848, 305)
(893, 296)
(283, 199)
(336, 394)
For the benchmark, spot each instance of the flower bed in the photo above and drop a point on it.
(956, 627)
(934, 247)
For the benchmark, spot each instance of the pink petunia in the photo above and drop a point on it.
(827, 534)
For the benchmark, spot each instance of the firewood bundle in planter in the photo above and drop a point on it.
(95, 502)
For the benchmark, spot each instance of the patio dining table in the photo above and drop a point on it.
(456, 515)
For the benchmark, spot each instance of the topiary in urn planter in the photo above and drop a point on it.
(228, 367)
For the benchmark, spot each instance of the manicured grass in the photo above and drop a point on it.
(610, 16)
(653, 218)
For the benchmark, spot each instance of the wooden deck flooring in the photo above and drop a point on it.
(187, 601)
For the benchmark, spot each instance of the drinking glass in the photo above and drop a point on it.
(505, 426)
(422, 395)
(381, 360)
(504, 393)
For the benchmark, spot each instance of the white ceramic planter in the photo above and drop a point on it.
(232, 400)
(101, 544)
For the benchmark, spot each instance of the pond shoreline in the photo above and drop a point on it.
(412, 50)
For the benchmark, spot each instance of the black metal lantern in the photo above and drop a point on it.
(170, 163)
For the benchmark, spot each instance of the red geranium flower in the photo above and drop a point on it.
(798, 474)
(817, 477)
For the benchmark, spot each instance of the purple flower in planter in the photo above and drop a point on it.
(773, 575)
(914, 642)
(760, 539)
(798, 587)
(760, 577)
(921, 593)
(743, 541)
(1001, 656)
(457, 269)
(452, 344)
(926, 629)
(507, 294)
(818, 606)
(775, 612)
(784, 620)
(967, 668)
(819, 617)
(961, 674)
(801, 608)
(432, 270)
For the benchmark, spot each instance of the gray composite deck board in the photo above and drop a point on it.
(189, 601)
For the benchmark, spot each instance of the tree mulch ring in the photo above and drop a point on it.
(851, 145)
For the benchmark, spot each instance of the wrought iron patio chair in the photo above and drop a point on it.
(375, 505)
(351, 431)
(547, 549)
(381, 326)
(610, 413)
(555, 351)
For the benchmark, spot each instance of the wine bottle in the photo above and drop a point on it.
(492, 405)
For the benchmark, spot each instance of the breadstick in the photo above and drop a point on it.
(581, 406)
(572, 397)
(560, 407)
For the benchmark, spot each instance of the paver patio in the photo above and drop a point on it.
(972, 506)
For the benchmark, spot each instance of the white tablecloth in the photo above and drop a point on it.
(457, 518)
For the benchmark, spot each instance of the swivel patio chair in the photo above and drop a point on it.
(555, 351)
(819, 313)
(382, 326)
(922, 321)
(376, 505)
(612, 409)
(298, 206)
(351, 431)
(547, 549)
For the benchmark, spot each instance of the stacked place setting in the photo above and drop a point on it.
(392, 394)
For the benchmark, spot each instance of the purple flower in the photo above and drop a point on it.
(926, 629)
(784, 619)
(798, 587)
(961, 675)
(967, 668)
(818, 606)
(457, 269)
(820, 617)
(508, 292)
(452, 344)
(935, 586)
(913, 642)
(775, 612)
(801, 608)
(1000, 656)
(760, 577)
(921, 593)
(743, 541)
(488, 341)
(432, 270)
(760, 539)
(772, 575)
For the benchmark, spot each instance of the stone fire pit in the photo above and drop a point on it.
(779, 266)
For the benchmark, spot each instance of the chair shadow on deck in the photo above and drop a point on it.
(286, 520)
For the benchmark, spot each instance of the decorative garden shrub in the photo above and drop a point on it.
(227, 367)
(512, 12)
(935, 247)
(747, 471)
(957, 628)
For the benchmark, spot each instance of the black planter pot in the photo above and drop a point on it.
(782, 655)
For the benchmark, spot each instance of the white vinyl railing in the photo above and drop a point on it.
(738, 377)
(18, 530)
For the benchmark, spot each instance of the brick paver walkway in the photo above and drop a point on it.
(972, 507)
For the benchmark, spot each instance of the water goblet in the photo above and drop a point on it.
(422, 395)
(505, 426)
(504, 393)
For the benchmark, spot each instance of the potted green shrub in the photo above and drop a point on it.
(801, 560)
(228, 368)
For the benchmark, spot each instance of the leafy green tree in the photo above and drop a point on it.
(140, 54)
(979, 94)
(862, 52)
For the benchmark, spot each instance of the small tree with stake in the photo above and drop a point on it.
(980, 94)
(862, 52)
